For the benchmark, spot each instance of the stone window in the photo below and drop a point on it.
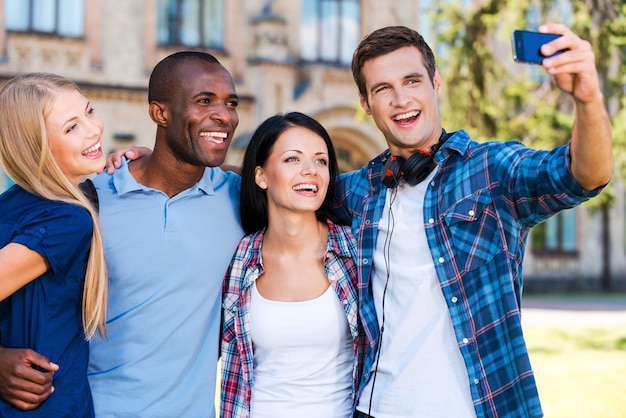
(194, 23)
(330, 30)
(56, 17)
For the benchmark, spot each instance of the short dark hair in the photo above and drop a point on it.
(253, 199)
(383, 41)
(164, 78)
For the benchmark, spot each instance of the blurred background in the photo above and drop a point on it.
(295, 55)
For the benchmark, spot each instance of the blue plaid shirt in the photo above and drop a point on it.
(478, 210)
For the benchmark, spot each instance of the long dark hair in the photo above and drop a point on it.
(253, 199)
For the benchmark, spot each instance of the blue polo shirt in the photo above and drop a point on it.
(166, 259)
(45, 315)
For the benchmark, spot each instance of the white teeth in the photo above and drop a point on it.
(407, 115)
(310, 187)
(92, 148)
(214, 134)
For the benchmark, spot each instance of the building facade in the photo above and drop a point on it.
(284, 55)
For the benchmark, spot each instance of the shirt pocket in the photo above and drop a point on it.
(475, 230)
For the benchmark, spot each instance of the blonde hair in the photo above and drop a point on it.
(25, 103)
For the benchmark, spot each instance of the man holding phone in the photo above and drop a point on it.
(441, 222)
(441, 255)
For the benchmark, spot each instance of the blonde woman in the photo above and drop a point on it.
(52, 273)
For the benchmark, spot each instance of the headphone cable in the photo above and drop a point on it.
(386, 253)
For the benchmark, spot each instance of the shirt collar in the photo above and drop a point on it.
(459, 141)
(124, 182)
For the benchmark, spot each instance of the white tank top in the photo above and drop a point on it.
(302, 358)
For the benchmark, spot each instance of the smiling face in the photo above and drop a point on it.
(202, 113)
(74, 133)
(402, 100)
(295, 175)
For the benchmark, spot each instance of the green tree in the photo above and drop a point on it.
(490, 96)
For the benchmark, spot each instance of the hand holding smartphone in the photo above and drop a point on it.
(527, 46)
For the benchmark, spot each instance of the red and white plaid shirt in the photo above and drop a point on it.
(245, 268)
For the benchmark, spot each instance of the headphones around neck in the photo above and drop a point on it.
(415, 168)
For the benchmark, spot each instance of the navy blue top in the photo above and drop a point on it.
(45, 315)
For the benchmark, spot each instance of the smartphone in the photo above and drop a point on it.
(527, 44)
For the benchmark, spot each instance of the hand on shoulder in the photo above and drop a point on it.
(114, 159)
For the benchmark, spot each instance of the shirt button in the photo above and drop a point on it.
(441, 260)
(454, 299)
(476, 381)
(465, 340)
(365, 261)
(432, 183)
(431, 221)
(471, 213)
(367, 222)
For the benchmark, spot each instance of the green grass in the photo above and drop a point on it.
(580, 372)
